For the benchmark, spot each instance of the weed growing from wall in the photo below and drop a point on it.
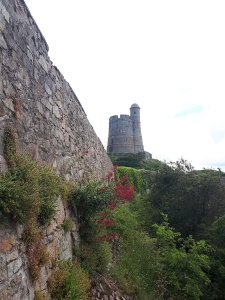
(38, 295)
(36, 252)
(10, 145)
(67, 224)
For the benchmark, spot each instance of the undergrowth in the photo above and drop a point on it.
(28, 192)
(28, 195)
(68, 282)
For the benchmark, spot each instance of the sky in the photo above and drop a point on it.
(167, 56)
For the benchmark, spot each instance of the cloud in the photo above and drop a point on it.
(190, 110)
(183, 91)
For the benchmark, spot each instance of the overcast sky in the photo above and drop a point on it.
(167, 56)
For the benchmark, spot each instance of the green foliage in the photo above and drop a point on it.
(135, 161)
(134, 254)
(136, 177)
(10, 145)
(19, 191)
(27, 192)
(68, 282)
(182, 263)
(216, 237)
(48, 183)
(188, 200)
(217, 233)
(95, 256)
(151, 164)
(65, 188)
(67, 224)
(127, 159)
(88, 201)
(37, 253)
(38, 295)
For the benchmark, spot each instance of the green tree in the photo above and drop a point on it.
(181, 264)
(216, 236)
(188, 199)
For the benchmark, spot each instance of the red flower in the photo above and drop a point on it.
(85, 152)
(111, 205)
(108, 176)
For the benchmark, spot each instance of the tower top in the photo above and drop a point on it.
(135, 105)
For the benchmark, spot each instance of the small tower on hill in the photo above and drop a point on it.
(125, 133)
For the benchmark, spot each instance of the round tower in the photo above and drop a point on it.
(120, 138)
(137, 137)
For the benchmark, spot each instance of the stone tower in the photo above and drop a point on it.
(125, 132)
(137, 137)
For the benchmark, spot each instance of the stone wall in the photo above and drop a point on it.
(51, 126)
(35, 99)
(15, 280)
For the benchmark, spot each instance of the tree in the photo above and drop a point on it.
(181, 264)
(188, 199)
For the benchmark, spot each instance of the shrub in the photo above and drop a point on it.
(95, 257)
(135, 178)
(36, 252)
(67, 224)
(27, 192)
(19, 191)
(68, 282)
(48, 183)
(38, 295)
(95, 196)
(10, 145)
(134, 255)
(183, 263)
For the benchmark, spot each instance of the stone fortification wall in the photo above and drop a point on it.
(120, 138)
(51, 126)
(39, 104)
(15, 280)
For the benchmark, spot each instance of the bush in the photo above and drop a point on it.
(183, 263)
(134, 253)
(19, 191)
(38, 295)
(48, 183)
(27, 192)
(95, 257)
(68, 282)
(67, 224)
(135, 177)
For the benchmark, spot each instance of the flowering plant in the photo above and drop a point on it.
(98, 197)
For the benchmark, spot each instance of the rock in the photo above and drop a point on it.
(14, 266)
(2, 110)
(12, 256)
(2, 42)
(9, 104)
